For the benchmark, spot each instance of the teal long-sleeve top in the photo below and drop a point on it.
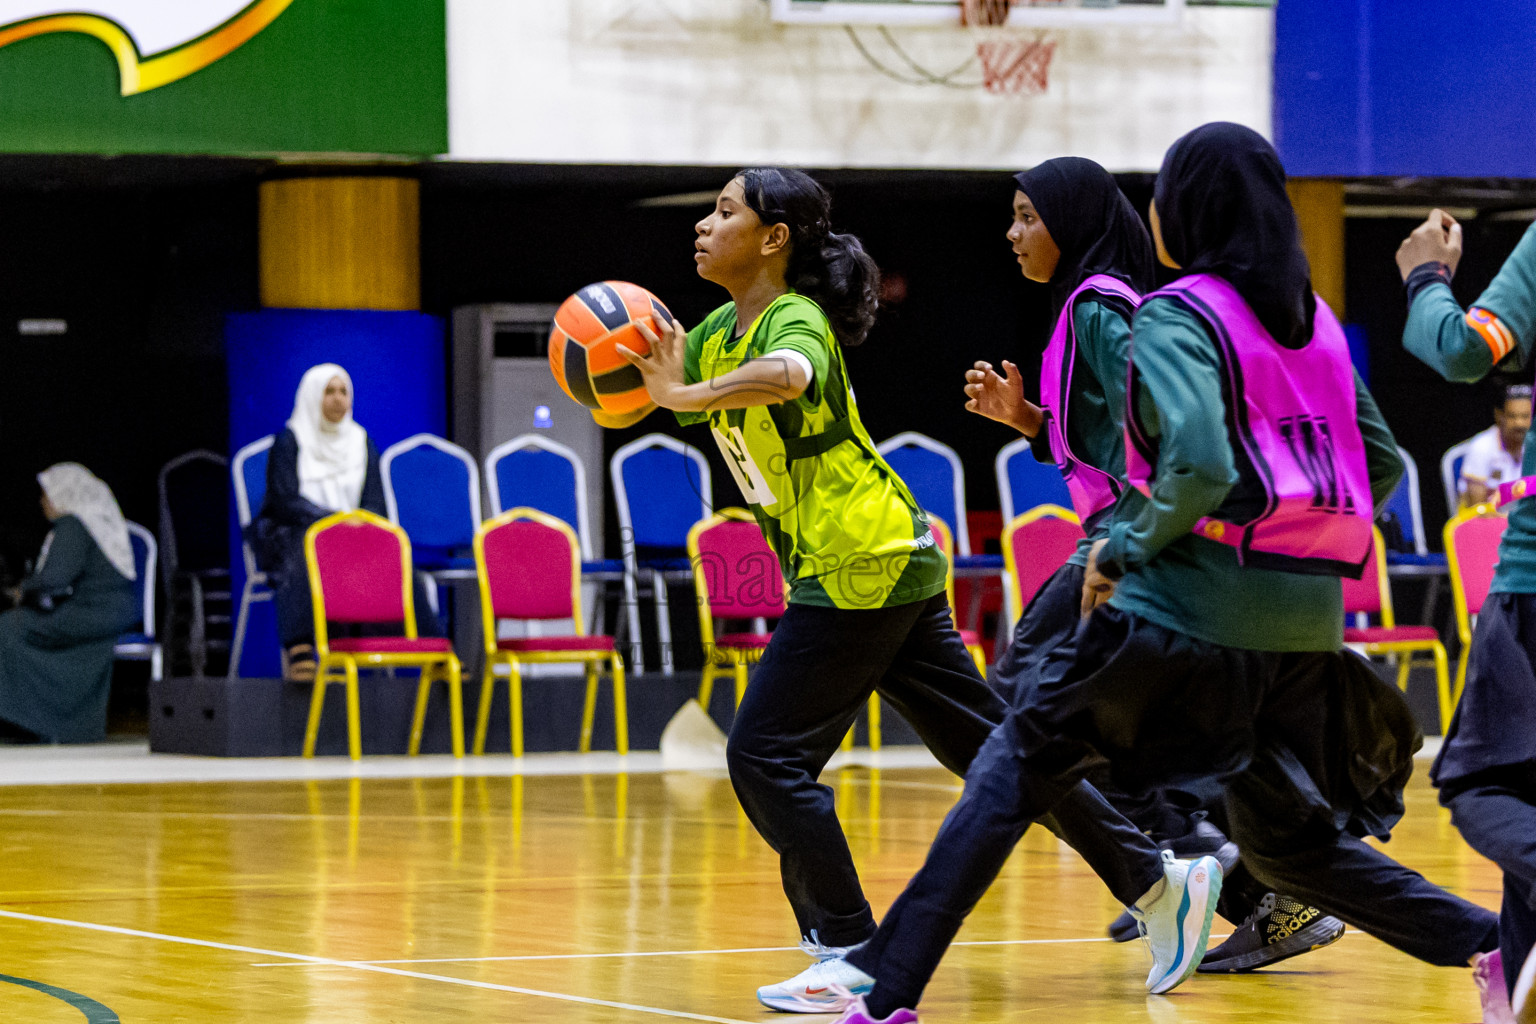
(1440, 334)
(1097, 414)
(1188, 583)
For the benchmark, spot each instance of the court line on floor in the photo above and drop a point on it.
(360, 966)
(1214, 938)
(679, 952)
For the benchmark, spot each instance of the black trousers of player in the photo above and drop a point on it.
(1486, 770)
(1052, 619)
(1497, 818)
(1164, 706)
(818, 671)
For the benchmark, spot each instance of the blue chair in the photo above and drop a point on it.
(432, 492)
(1407, 508)
(141, 645)
(532, 471)
(1023, 483)
(249, 470)
(661, 487)
(933, 473)
(1450, 473)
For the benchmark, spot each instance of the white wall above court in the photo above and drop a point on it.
(718, 82)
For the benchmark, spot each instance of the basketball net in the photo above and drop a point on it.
(1011, 64)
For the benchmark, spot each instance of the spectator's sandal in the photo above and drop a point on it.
(301, 664)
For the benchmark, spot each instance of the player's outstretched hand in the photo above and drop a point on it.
(1437, 240)
(1001, 397)
(663, 368)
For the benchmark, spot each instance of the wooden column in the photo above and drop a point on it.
(341, 243)
(1319, 204)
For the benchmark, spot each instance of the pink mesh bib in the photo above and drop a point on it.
(1295, 421)
(1093, 490)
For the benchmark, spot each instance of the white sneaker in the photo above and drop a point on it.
(1177, 925)
(824, 987)
(1523, 1000)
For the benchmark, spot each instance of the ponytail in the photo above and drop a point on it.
(833, 270)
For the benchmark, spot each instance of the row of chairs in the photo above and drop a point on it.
(661, 487)
(532, 470)
(529, 567)
(1472, 551)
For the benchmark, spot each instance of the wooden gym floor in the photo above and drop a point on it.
(641, 897)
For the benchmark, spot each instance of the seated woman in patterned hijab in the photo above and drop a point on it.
(56, 649)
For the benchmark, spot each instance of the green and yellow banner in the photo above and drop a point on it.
(223, 76)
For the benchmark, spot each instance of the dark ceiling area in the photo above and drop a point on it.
(670, 185)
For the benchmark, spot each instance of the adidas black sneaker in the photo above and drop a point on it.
(1279, 929)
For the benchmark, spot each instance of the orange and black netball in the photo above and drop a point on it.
(582, 344)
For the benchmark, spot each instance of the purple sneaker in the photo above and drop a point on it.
(1523, 997)
(855, 1012)
(1488, 976)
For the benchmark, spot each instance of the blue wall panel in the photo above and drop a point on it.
(398, 365)
(1406, 87)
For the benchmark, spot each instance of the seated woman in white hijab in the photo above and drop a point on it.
(56, 649)
(323, 462)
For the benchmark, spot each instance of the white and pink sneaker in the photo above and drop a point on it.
(1524, 995)
(823, 987)
(1488, 976)
(856, 1013)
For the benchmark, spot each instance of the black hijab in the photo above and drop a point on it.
(1091, 222)
(1222, 209)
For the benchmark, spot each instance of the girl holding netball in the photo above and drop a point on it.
(867, 609)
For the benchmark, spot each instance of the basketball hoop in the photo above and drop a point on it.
(1011, 64)
(988, 13)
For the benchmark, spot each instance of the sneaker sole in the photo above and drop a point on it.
(809, 1004)
(1521, 1000)
(1195, 927)
(1323, 932)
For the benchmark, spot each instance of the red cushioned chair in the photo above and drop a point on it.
(530, 570)
(1035, 545)
(736, 576)
(360, 573)
(1371, 595)
(1472, 552)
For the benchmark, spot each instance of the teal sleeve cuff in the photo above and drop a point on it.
(1437, 334)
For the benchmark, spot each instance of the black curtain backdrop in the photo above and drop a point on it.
(143, 276)
(143, 257)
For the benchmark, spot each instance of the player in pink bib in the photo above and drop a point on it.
(1205, 663)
